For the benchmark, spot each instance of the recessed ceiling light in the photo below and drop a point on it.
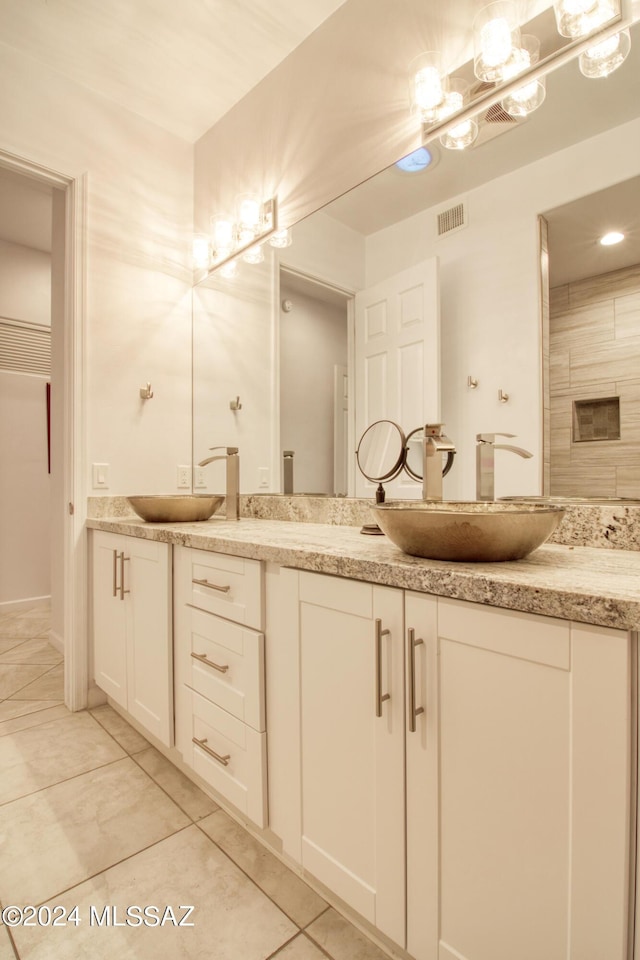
(416, 161)
(610, 238)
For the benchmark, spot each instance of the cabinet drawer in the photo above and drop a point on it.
(240, 773)
(229, 586)
(225, 663)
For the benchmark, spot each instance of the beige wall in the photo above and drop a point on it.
(595, 353)
(138, 297)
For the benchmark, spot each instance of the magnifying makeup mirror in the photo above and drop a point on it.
(380, 456)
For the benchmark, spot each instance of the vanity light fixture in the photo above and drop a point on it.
(611, 238)
(579, 18)
(464, 133)
(496, 36)
(606, 56)
(525, 99)
(254, 254)
(429, 85)
(255, 221)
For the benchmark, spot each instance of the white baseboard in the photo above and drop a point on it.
(56, 641)
(15, 606)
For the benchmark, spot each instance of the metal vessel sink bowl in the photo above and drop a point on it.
(467, 531)
(176, 508)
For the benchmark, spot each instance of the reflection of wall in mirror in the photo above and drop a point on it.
(602, 310)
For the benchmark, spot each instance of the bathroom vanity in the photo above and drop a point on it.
(446, 750)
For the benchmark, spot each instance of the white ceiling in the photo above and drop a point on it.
(180, 63)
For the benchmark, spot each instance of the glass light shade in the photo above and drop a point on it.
(222, 236)
(527, 98)
(281, 239)
(254, 254)
(577, 18)
(249, 214)
(605, 57)
(464, 133)
(201, 251)
(429, 85)
(496, 35)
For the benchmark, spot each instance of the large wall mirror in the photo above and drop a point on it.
(283, 351)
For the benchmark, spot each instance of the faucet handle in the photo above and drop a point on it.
(230, 450)
(491, 437)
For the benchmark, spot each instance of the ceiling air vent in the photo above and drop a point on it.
(452, 219)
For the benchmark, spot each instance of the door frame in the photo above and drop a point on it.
(72, 500)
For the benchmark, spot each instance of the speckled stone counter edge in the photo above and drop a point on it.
(611, 526)
(585, 584)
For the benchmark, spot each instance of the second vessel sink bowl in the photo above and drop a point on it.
(175, 508)
(467, 531)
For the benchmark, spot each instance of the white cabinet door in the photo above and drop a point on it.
(149, 648)
(352, 744)
(132, 650)
(109, 618)
(534, 788)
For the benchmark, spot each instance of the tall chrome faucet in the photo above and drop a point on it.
(232, 494)
(435, 444)
(485, 466)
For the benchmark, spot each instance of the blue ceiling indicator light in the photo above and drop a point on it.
(416, 161)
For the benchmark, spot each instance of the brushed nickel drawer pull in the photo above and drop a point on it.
(212, 586)
(380, 696)
(123, 560)
(115, 573)
(202, 657)
(216, 756)
(413, 711)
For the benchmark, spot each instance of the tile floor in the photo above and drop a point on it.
(93, 817)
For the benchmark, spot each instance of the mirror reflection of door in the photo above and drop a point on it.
(314, 393)
(397, 359)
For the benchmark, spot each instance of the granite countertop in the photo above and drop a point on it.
(587, 584)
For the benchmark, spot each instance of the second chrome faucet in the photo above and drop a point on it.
(485, 466)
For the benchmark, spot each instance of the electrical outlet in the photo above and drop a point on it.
(184, 477)
(263, 477)
(199, 480)
(100, 476)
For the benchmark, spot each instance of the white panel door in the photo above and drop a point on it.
(397, 359)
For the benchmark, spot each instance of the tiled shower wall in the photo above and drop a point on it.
(595, 353)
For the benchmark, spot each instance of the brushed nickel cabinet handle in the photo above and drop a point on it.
(216, 756)
(123, 560)
(380, 696)
(212, 586)
(115, 573)
(202, 657)
(414, 712)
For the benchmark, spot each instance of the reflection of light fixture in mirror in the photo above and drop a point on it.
(429, 85)
(254, 254)
(578, 18)
(611, 238)
(606, 56)
(256, 221)
(527, 98)
(464, 133)
(496, 35)
(223, 236)
(201, 251)
(281, 239)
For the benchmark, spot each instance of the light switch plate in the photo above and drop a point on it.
(100, 476)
